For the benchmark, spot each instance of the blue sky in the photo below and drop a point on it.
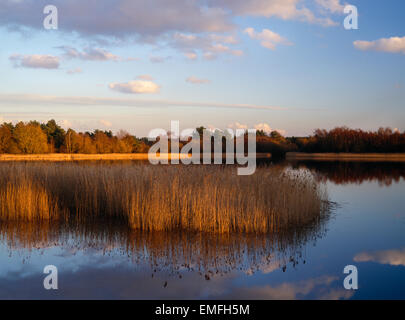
(288, 65)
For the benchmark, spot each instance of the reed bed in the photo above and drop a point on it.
(162, 198)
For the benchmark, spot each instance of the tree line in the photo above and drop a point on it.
(343, 139)
(35, 138)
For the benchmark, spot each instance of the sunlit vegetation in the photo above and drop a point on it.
(349, 140)
(46, 138)
(36, 138)
(162, 198)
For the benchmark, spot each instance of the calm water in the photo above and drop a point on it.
(366, 228)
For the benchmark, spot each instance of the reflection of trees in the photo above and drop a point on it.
(342, 172)
(174, 252)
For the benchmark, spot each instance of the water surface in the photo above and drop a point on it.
(366, 228)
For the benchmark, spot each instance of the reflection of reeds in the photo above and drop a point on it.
(345, 172)
(161, 198)
(208, 254)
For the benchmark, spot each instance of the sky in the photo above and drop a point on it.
(286, 65)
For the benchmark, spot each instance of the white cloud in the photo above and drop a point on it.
(391, 45)
(395, 257)
(140, 20)
(66, 124)
(36, 61)
(136, 86)
(260, 126)
(267, 38)
(209, 45)
(195, 80)
(229, 39)
(106, 123)
(266, 128)
(206, 23)
(124, 18)
(91, 54)
(333, 6)
(263, 126)
(283, 9)
(237, 125)
(321, 287)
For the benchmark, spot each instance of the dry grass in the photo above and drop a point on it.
(81, 157)
(21, 199)
(55, 157)
(162, 198)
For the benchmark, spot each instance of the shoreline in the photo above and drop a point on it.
(106, 156)
(329, 156)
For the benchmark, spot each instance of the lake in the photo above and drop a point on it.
(365, 228)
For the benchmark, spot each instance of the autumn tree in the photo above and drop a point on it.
(55, 134)
(5, 138)
(102, 142)
(30, 138)
(87, 144)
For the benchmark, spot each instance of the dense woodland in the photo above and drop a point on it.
(35, 138)
(344, 139)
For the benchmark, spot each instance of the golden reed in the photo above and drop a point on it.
(161, 198)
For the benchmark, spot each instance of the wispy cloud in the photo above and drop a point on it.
(320, 287)
(237, 125)
(36, 61)
(123, 18)
(259, 126)
(135, 86)
(66, 124)
(33, 99)
(391, 45)
(268, 129)
(267, 38)
(92, 54)
(334, 6)
(208, 46)
(394, 257)
(283, 9)
(106, 123)
(196, 28)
